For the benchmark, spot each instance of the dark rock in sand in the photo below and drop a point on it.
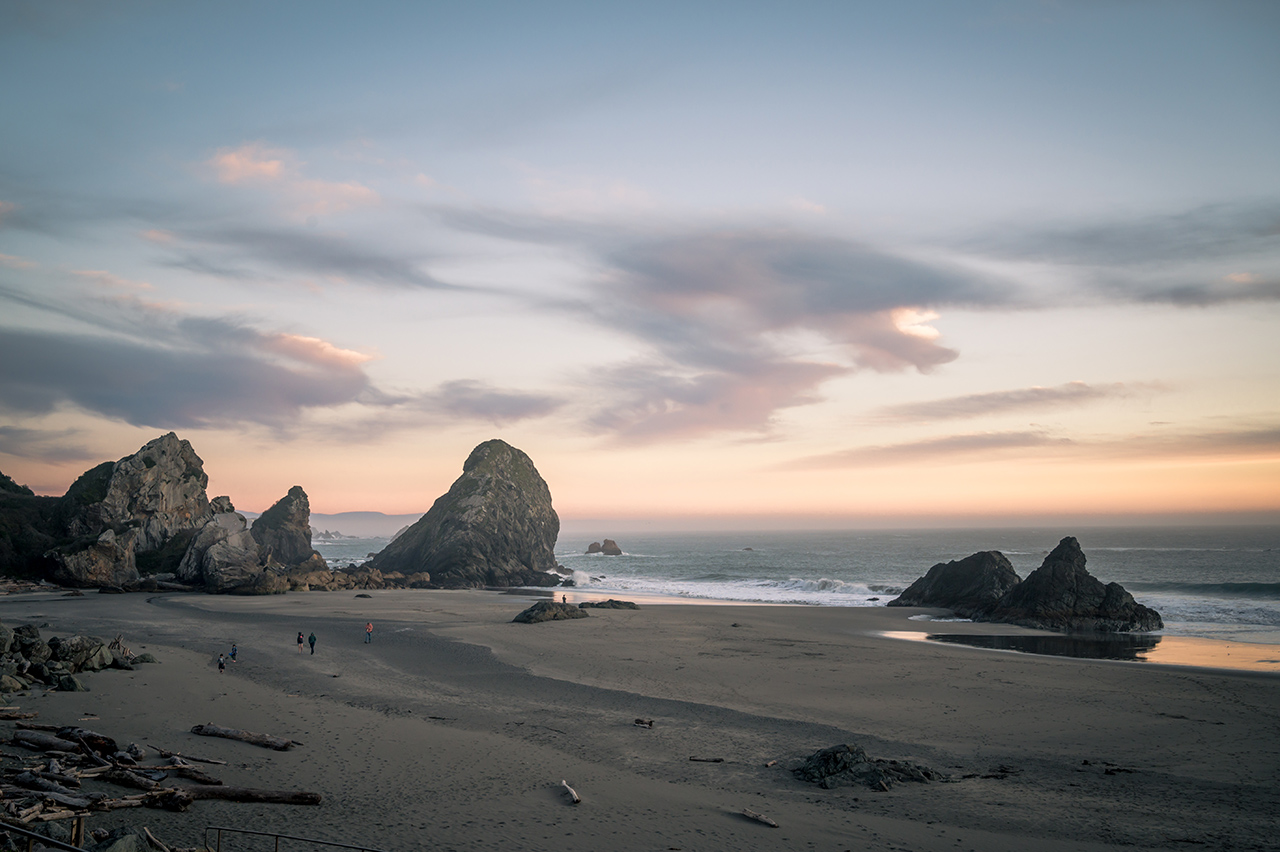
(845, 765)
(495, 527)
(1062, 595)
(609, 604)
(71, 683)
(549, 611)
(969, 587)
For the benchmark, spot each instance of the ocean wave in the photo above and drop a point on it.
(1248, 591)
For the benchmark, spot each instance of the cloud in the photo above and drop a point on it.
(280, 171)
(1246, 441)
(980, 444)
(998, 402)
(1189, 257)
(157, 235)
(108, 280)
(44, 445)
(6, 207)
(472, 400)
(741, 323)
(253, 162)
(14, 262)
(229, 252)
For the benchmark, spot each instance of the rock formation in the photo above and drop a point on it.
(495, 527)
(609, 548)
(609, 604)
(970, 587)
(549, 611)
(284, 531)
(845, 765)
(1061, 594)
(223, 554)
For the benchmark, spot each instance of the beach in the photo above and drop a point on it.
(454, 728)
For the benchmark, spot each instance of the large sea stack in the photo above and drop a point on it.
(1061, 594)
(495, 527)
(284, 531)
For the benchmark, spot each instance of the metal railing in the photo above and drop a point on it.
(48, 842)
(278, 837)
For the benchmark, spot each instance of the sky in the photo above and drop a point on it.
(765, 264)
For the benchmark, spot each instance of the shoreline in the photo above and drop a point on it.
(455, 727)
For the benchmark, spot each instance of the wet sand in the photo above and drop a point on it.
(455, 727)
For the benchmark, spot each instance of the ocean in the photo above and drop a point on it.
(1207, 582)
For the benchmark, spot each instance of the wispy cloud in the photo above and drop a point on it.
(279, 170)
(980, 445)
(14, 262)
(44, 445)
(1020, 399)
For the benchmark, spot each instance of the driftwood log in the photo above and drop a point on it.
(172, 754)
(573, 794)
(264, 740)
(750, 814)
(42, 741)
(248, 794)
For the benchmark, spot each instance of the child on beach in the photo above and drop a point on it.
(300, 641)
(368, 633)
(222, 664)
(232, 655)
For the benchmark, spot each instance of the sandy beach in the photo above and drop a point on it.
(454, 728)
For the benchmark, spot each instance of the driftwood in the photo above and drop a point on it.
(750, 814)
(264, 740)
(191, 773)
(248, 794)
(11, 715)
(41, 741)
(125, 778)
(644, 723)
(707, 759)
(573, 794)
(181, 756)
(34, 782)
(38, 726)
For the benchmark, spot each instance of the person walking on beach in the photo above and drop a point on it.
(368, 633)
(312, 640)
(300, 641)
(222, 664)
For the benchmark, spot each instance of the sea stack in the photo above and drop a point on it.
(495, 527)
(969, 587)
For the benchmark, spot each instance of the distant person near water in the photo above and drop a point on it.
(368, 633)
(312, 640)
(300, 641)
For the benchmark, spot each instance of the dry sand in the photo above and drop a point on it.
(455, 727)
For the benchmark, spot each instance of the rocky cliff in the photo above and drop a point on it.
(970, 587)
(284, 531)
(495, 527)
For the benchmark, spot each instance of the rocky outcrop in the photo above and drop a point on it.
(284, 531)
(1059, 595)
(609, 604)
(107, 560)
(847, 765)
(495, 527)
(26, 659)
(970, 587)
(1062, 595)
(223, 555)
(8, 486)
(159, 491)
(549, 611)
(608, 548)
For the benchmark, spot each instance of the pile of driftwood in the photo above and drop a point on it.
(51, 785)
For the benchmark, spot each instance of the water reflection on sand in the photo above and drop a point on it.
(1135, 647)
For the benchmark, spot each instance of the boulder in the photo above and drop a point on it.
(549, 611)
(222, 555)
(262, 583)
(81, 653)
(107, 560)
(969, 587)
(609, 604)
(284, 530)
(1062, 595)
(846, 765)
(495, 527)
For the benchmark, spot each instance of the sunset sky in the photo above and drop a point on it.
(780, 264)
